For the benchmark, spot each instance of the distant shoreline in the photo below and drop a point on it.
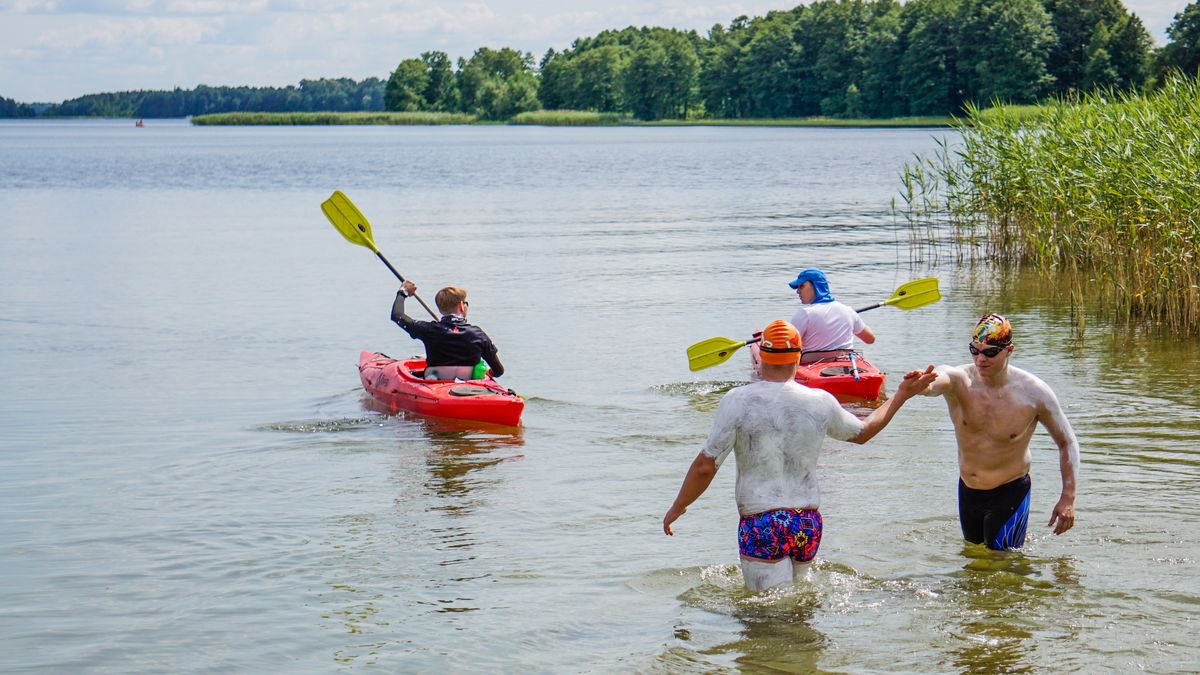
(547, 118)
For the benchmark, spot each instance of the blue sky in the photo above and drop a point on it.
(51, 50)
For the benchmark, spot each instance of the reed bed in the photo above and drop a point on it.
(320, 118)
(1102, 194)
(569, 118)
(864, 123)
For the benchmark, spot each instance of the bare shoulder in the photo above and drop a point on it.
(1031, 386)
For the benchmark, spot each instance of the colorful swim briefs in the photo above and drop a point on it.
(781, 533)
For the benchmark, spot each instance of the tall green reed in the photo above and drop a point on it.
(1103, 193)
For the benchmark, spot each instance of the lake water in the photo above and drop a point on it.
(191, 481)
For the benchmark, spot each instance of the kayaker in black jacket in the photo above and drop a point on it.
(452, 346)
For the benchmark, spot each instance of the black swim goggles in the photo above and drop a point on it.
(990, 352)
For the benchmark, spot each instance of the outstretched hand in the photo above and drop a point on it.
(408, 287)
(916, 381)
(1064, 514)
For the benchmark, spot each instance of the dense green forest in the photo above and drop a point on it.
(325, 95)
(835, 58)
(10, 108)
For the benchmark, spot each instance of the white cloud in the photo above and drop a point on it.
(28, 6)
(436, 19)
(1157, 15)
(215, 6)
(125, 35)
(144, 44)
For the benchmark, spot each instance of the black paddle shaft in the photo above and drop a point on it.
(393, 269)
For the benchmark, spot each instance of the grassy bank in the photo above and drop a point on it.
(569, 118)
(893, 122)
(318, 118)
(1102, 193)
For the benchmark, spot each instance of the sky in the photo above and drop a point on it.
(53, 50)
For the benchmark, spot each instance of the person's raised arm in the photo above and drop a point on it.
(866, 335)
(914, 382)
(1051, 416)
(406, 289)
(944, 382)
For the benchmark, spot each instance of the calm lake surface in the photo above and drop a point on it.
(191, 480)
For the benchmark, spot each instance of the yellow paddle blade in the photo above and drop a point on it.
(348, 220)
(710, 352)
(914, 294)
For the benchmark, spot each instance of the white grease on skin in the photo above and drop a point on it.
(777, 429)
(1021, 385)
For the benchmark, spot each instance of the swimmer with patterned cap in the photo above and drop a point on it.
(995, 408)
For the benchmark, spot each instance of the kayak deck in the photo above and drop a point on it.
(398, 385)
(857, 381)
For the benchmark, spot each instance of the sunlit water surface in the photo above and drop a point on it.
(190, 479)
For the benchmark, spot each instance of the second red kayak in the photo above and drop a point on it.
(850, 381)
(398, 385)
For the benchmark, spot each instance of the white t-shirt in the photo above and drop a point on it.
(775, 430)
(827, 325)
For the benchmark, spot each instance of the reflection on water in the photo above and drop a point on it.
(440, 472)
(777, 633)
(1002, 601)
(777, 626)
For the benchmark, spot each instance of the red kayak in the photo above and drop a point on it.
(399, 386)
(854, 380)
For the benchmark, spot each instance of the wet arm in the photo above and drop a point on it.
(697, 480)
(1055, 422)
(944, 383)
(914, 382)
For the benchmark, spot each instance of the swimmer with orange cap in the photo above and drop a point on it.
(995, 408)
(775, 428)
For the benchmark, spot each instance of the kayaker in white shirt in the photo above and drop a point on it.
(775, 428)
(827, 327)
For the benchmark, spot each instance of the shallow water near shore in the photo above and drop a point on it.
(191, 479)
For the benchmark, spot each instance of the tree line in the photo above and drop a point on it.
(323, 95)
(837, 58)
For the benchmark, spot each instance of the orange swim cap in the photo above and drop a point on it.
(780, 343)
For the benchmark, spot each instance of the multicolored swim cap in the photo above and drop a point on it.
(993, 329)
(780, 343)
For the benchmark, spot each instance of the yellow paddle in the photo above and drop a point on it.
(713, 351)
(914, 294)
(353, 225)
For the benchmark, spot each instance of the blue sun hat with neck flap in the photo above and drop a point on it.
(819, 282)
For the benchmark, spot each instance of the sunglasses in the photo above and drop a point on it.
(990, 352)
